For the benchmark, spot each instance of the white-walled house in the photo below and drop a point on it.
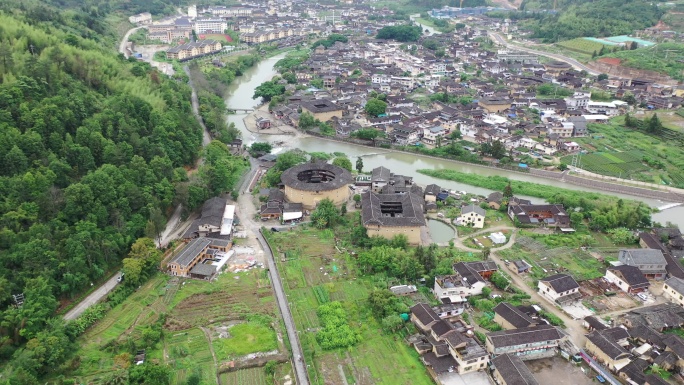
(628, 278)
(673, 289)
(473, 216)
(559, 288)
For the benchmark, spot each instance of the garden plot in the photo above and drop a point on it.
(547, 261)
(252, 376)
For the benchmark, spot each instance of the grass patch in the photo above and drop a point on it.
(246, 338)
(582, 45)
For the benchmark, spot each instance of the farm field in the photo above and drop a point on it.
(252, 376)
(581, 45)
(614, 150)
(580, 264)
(619, 164)
(313, 273)
(203, 324)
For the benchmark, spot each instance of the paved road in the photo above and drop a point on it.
(248, 212)
(577, 65)
(206, 138)
(92, 299)
(122, 44)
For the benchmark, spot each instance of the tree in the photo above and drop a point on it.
(359, 164)
(508, 191)
(268, 90)
(392, 323)
(368, 134)
(602, 76)
(486, 252)
(499, 280)
(150, 374)
(325, 215)
(402, 33)
(375, 107)
(576, 219)
(342, 161)
(306, 121)
(39, 305)
(258, 148)
(654, 124)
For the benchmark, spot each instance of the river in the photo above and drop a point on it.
(240, 96)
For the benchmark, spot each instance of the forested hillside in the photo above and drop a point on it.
(588, 18)
(93, 148)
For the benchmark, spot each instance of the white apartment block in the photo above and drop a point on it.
(210, 25)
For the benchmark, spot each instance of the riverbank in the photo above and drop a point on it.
(589, 184)
(278, 127)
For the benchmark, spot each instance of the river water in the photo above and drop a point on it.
(240, 96)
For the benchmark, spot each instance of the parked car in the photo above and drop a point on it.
(275, 230)
(120, 278)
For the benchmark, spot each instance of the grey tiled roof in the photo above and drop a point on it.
(513, 370)
(332, 177)
(411, 206)
(191, 251)
(676, 283)
(522, 336)
(561, 282)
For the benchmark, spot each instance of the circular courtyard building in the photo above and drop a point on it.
(310, 183)
(557, 67)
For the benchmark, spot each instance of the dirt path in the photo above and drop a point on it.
(572, 327)
(211, 349)
(514, 234)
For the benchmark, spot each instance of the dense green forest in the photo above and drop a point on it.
(587, 18)
(95, 149)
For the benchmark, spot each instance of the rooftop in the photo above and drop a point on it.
(513, 370)
(191, 251)
(392, 209)
(522, 336)
(316, 177)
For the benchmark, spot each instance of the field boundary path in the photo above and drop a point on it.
(92, 299)
(297, 359)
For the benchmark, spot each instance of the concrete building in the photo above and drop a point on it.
(674, 290)
(190, 261)
(193, 49)
(141, 18)
(528, 343)
(388, 215)
(310, 183)
(651, 262)
(473, 216)
(210, 25)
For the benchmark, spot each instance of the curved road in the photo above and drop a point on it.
(122, 44)
(497, 38)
